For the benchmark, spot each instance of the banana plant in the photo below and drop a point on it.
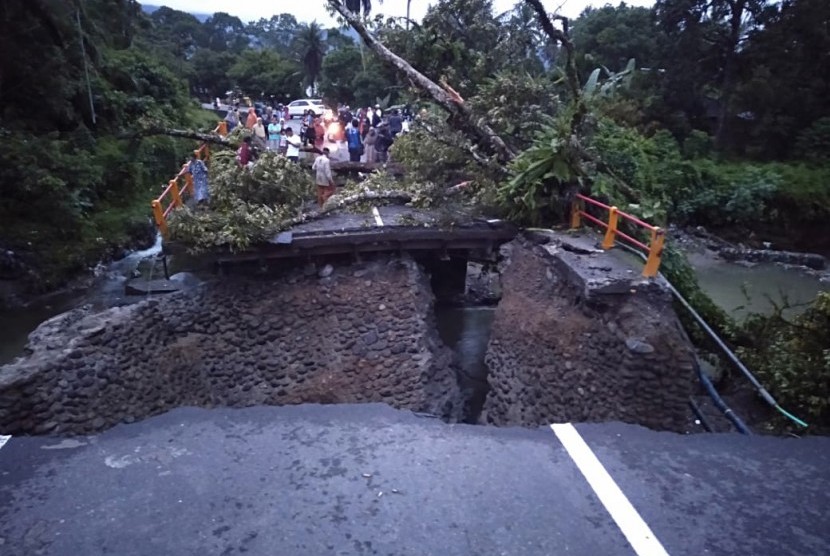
(543, 172)
(612, 82)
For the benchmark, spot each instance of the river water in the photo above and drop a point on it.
(106, 290)
(740, 290)
(466, 330)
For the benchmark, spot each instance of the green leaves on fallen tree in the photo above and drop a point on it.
(237, 227)
(543, 173)
(248, 205)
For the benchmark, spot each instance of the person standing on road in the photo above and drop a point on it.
(259, 134)
(384, 141)
(323, 177)
(250, 120)
(369, 145)
(293, 144)
(232, 118)
(319, 133)
(274, 130)
(354, 142)
(199, 171)
(243, 155)
(395, 124)
(283, 145)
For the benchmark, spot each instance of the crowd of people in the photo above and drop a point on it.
(366, 135)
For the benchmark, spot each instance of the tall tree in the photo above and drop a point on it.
(277, 33)
(785, 77)
(311, 47)
(610, 36)
(701, 40)
(225, 32)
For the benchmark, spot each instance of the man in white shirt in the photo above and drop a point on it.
(292, 145)
(323, 178)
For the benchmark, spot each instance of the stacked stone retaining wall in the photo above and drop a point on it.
(558, 353)
(360, 334)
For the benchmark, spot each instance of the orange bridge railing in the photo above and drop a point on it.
(173, 195)
(657, 236)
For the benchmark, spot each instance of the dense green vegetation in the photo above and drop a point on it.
(74, 185)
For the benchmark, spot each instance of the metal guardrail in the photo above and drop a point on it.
(172, 196)
(654, 249)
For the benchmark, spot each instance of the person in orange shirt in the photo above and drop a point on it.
(320, 133)
(252, 117)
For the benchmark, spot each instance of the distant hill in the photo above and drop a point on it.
(150, 8)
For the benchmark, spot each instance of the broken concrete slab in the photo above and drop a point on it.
(140, 286)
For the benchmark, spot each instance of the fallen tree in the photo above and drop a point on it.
(460, 114)
(483, 137)
(212, 138)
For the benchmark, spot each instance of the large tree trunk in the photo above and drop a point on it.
(737, 9)
(182, 133)
(448, 99)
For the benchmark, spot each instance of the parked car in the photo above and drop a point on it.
(299, 107)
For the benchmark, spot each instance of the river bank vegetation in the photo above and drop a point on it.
(710, 113)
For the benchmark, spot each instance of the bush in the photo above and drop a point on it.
(792, 358)
(698, 144)
(814, 142)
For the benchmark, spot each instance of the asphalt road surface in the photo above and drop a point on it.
(367, 479)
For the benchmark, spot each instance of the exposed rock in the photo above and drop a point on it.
(565, 346)
(279, 340)
(638, 346)
(142, 286)
(810, 260)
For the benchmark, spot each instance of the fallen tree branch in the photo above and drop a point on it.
(211, 138)
(563, 37)
(334, 203)
(481, 133)
(480, 160)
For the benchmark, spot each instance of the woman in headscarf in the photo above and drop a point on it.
(199, 171)
(319, 133)
(259, 135)
(369, 145)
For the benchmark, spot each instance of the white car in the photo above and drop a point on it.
(299, 107)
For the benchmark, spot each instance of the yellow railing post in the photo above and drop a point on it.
(223, 128)
(611, 232)
(174, 190)
(158, 214)
(188, 184)
(576, 221)
(655, 252)
(207, 153)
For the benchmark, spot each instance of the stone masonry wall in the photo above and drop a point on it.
(555, 356)
(361, 334)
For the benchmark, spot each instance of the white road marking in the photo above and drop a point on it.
(378, 220)
(635, 529)
(4, 439)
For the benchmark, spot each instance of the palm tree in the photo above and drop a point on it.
(311, 48)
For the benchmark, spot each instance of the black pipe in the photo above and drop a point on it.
(718, 401)
(699, 414)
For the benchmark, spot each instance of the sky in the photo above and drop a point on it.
(310, 10)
